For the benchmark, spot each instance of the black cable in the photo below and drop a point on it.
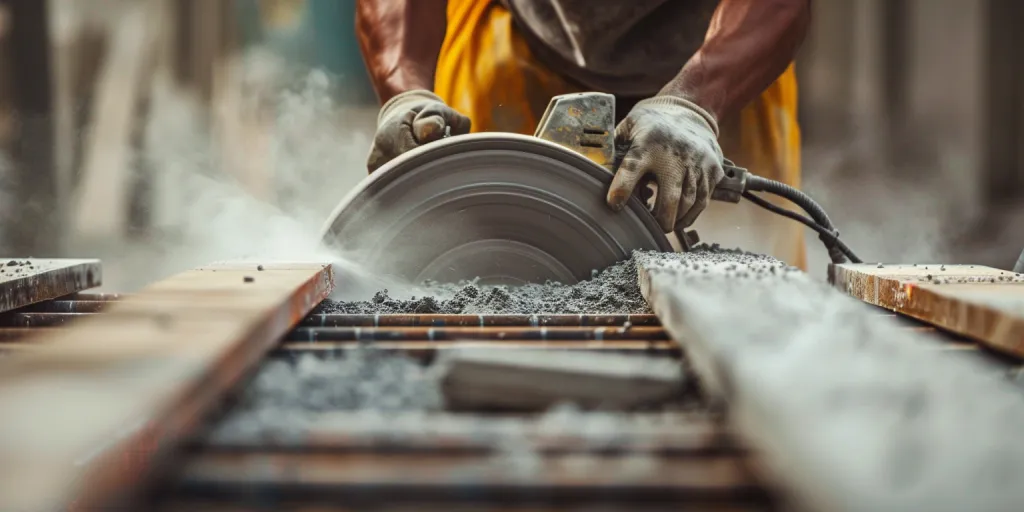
(816, 212)
(830, 237)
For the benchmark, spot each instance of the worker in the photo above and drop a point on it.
(696, 81)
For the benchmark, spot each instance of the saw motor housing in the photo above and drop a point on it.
(583, 122)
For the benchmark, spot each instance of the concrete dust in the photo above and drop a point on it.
(612, 290)
(361, 379)
(210, 198)
(289, 394)
(383, 396)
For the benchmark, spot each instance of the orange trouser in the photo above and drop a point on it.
(486, 71)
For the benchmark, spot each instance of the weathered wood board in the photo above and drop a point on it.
(28, 281)
(538, 379)
(845, 410)
(86, 416)
(982, 303)
(101, 204)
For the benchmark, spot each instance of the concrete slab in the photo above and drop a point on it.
(846, 410)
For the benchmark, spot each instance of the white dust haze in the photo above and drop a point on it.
(202, 210)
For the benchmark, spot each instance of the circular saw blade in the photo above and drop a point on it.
(504, 208)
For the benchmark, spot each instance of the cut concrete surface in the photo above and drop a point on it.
(611, 290)
(845, 409)
(533, 380)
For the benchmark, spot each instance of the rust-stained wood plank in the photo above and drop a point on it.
(84, 418)
(626, 345)
(28, 281)
(17, 347)
(317, 334)
(982, 303)
(453, 475)
(16, 334)
(598, 503)
(844, 410)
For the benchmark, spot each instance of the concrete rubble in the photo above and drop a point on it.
(611, 290)
(292, 394)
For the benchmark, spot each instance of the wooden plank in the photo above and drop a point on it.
(534, 380)
(102, 202)
(982, 303)
(85, 418)
(845, 410)
(435, 475)
(641, 346)
(713, 505)
(28, 281)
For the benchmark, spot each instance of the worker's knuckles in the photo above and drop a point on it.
(665, 153)
(391, 140)
(444, 116)
(428, 129)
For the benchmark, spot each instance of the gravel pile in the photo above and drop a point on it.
(289, 394)
(613, 290)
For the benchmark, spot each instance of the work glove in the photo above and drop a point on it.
(675, 142)
(409, 120)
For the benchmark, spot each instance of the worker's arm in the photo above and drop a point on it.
(674, 135)
(400, 41)
(748, 45)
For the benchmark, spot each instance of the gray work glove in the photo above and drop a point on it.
(676, 142)
(409, 120)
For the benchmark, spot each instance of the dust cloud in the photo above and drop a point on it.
(884, 218)
(269, 202)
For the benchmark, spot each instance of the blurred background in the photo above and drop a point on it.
(163, 134)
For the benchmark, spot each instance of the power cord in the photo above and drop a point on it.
(838, 251)
(830, 238)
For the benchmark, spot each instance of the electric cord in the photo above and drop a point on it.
(831, 237)
(838, 251)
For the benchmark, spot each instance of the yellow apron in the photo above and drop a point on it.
(486, 71)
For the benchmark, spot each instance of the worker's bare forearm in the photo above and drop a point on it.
(748, 45)
(400, 41)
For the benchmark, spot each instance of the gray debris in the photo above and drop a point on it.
(613, 290)
(285, 394)
(288, 397)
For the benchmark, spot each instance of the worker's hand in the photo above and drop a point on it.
(409, 120)
(676, 142)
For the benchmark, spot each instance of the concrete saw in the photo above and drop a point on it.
(504, 208)
(514, 209)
